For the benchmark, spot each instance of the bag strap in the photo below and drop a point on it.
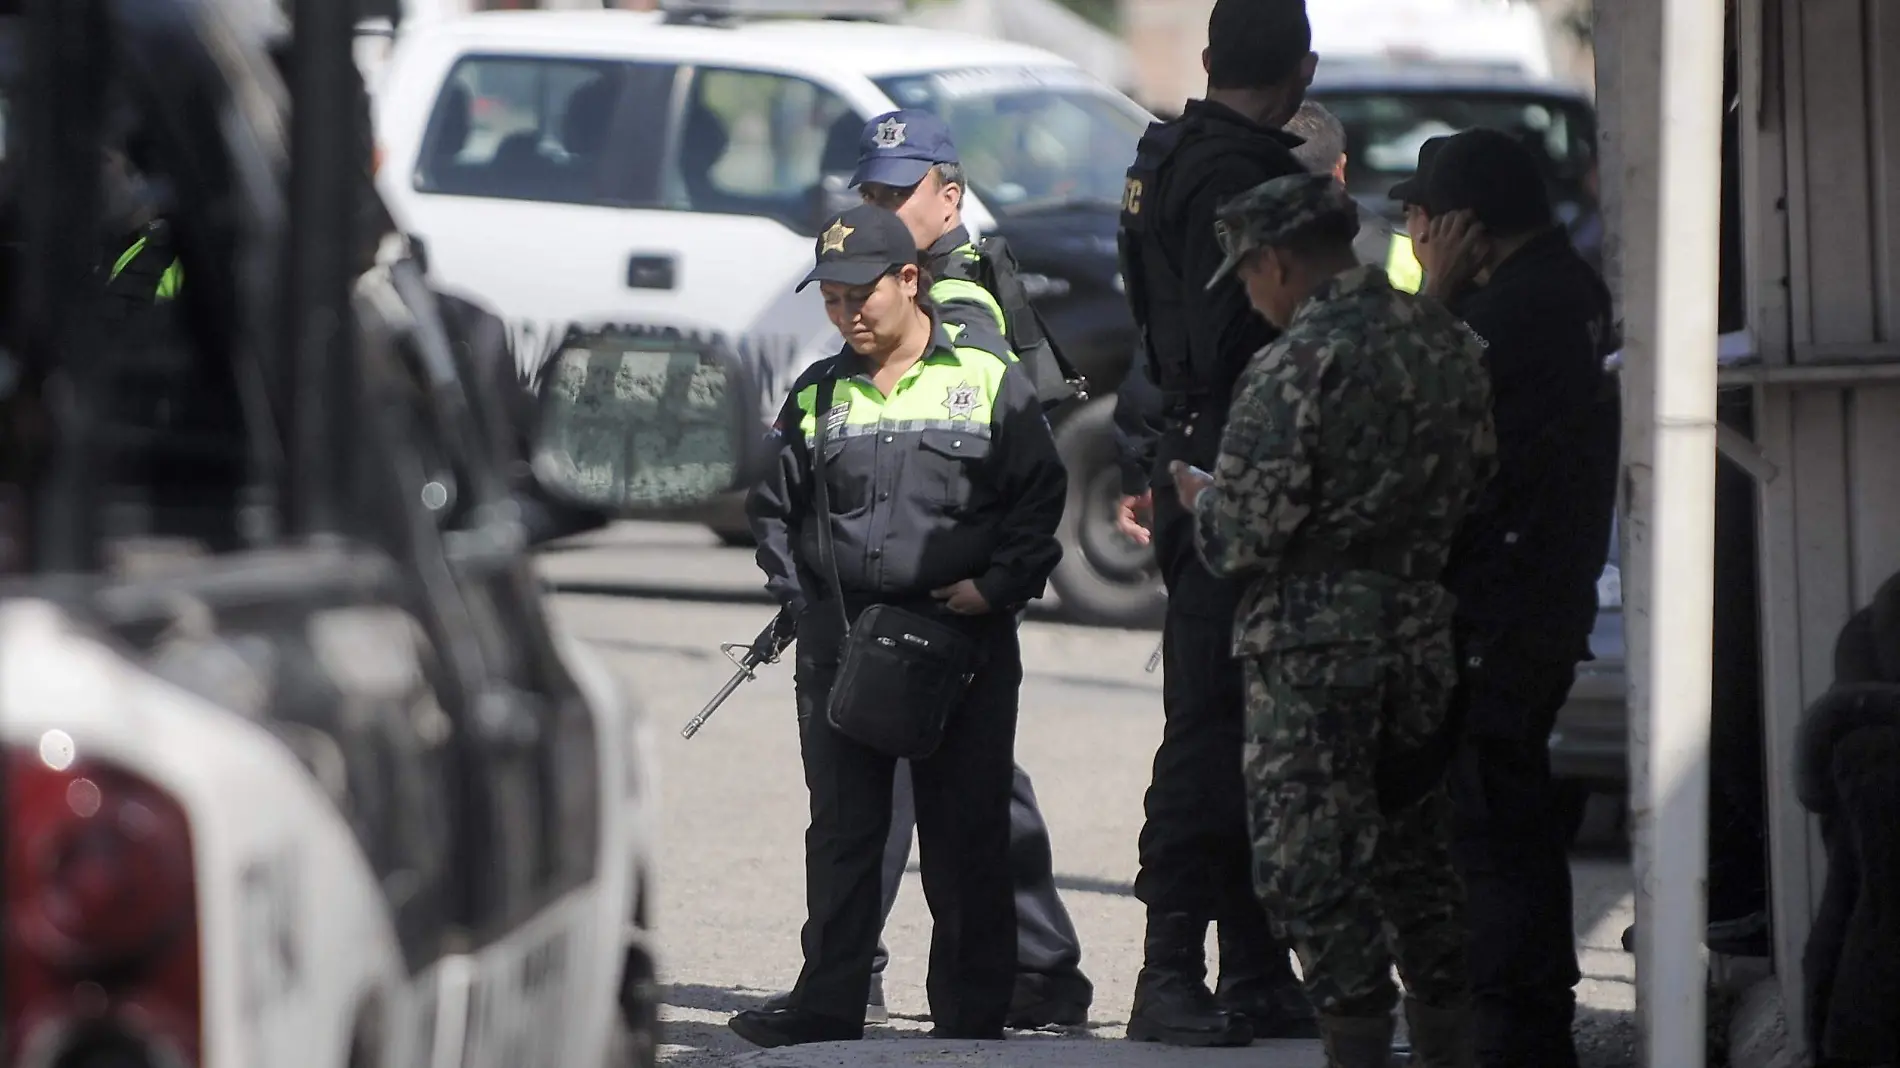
(827, 548)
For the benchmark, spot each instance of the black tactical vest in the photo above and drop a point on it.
(994, 268)
(1150, 241)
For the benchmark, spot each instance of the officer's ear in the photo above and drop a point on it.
(908, 277)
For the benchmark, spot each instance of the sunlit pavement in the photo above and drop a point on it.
(731, 881)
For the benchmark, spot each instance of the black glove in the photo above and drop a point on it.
(775, 638)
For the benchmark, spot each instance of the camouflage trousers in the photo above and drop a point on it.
(1352, 889)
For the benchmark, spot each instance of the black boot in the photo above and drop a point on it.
(1257, 981)
(1043, 1001)
(1275, 1010)
(791, 1027)
(1172, 1003)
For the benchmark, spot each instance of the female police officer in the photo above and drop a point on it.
(944, 493)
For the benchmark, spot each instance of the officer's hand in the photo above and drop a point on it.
(1134, 517)
(1451, 252)
(1189, 481)
(963, 598)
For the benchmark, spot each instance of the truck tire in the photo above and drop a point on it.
(1104, 578)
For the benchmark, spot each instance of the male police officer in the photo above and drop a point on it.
(1194, 853)
(1524, 566)
(1324, 152)
(907, 164)
(1356, 443)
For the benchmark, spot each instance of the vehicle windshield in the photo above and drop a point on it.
(1031, 138)
(1385, 128)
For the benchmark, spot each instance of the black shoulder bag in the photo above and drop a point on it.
(900, 674)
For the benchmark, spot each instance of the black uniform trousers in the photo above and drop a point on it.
(963, 798)
(1046, 942)
(1511, 851)
(1196, 854)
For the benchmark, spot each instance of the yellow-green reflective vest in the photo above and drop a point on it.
(1402, 267)
(953, 387)
(168, 282)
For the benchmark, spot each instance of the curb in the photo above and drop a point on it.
(1758, 1032)
(1031, 1052)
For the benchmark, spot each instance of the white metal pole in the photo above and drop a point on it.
(1671, 524)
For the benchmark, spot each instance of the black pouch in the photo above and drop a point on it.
(900, 673)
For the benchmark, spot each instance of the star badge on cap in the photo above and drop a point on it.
(834, 237)
(890, 134)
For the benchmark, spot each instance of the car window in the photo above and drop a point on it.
(1031, 138)
(573, 131)
(1384, 130)
(753, 143)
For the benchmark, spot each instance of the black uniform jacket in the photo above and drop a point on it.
(1526, 562)
(953, 476)
(1222, 331)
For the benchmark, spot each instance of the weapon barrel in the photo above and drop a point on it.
(732, 684)
(769, 638)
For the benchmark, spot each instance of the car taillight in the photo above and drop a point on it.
(101, 911)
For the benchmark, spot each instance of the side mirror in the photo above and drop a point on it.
(636, 421)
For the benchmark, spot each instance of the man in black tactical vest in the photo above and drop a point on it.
(1196, 862)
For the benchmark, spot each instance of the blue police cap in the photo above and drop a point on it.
(898, 148)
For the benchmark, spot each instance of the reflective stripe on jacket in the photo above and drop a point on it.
(954, 475)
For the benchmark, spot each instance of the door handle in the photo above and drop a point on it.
(645, 271)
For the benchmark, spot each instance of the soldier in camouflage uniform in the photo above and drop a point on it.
(1356, 443)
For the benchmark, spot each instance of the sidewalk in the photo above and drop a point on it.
(1032, 1051)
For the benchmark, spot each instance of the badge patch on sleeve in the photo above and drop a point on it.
(962, 401)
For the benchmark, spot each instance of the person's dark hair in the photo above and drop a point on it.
(1324, 134)
(1256, 44)
(924, 282)
(950, 174)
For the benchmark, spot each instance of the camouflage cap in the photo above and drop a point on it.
(1270, 213)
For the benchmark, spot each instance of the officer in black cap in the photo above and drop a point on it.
(1195, 855)
(944, 492)
(908, 163)
(1524, 566)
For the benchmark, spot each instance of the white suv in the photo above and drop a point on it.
(672, 171)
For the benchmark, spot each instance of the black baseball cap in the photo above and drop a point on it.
(860, 246)
(1487, 172)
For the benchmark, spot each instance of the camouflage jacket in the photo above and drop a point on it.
(1356, 443)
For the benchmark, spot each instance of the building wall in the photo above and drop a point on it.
(1166, 37)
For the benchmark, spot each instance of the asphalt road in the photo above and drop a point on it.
(658, 601)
